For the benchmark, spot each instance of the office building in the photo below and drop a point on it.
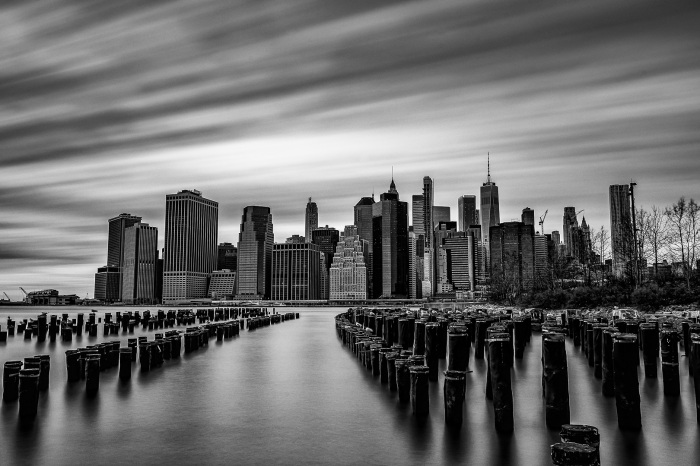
(390, 245)
(227, 258)
(528, 216)
(512, 256)
(191, 229)
(108, 292)
(348, 273)
(296, 272)
(363, 222)
(441, 214)
(255, 242)
(326, 239)
(490, 214)
(107, 284)
(428, 284)
(621, 235)
(140, 265)
(417, 214)
(466, 212)
(570, 225)
(310, 220)
(222, 284)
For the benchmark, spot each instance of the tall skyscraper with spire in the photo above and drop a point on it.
(191, 229)
(490, 212)
(390, 245)
(311, 219)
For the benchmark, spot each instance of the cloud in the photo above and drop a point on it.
(106, 107)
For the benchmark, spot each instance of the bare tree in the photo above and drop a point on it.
(601, 246)
(683, 219)
(656, 236)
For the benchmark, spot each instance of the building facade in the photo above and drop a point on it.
(140, 265)
(621, 237)
(466, 212)
(490, 215)
(222, 284)
(227, 257)
(296, 272)
(390, 245)
(512, 254)
(310, 219)
(191, 229)
(255, 243)
(348, 273)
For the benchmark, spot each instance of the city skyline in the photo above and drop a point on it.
(98, 120)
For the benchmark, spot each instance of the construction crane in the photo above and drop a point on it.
(8, 298)
(576, 215)
(26, 295)
(542, 221)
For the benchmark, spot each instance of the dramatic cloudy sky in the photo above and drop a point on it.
(107, 106)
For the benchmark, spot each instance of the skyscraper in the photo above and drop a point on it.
(227, 258)
(621, 240)
(326, 239)
(191, 229)
(140, 265)
(428, 284)
(512, 256)
(390, 245)
(296, 270)
(363, 222)
(528, 216)
(570, 224)
(348, 274)
(255, 242)
(417, 214)
(466, 212)
(441, 214)
(311, 219)
(108, 290)
(490, 212)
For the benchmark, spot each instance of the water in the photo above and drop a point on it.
(293, 394)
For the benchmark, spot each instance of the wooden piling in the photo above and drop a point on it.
(501, 384)
(581, 434)
(419, 337)
(650, 350)
(669, 362)
(454, 389)
(28, 393)
(92, 374)
(420, 397)
(627, 400)
(598, 350)
(570, 454)
(556, 380)
(695, 361)
(457, 349)
(432, 337)
(403, 380)
(125, 363)
(607, 367)
(10, 380)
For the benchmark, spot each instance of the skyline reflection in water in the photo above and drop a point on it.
(293, 394)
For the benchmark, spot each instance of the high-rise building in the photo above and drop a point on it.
(390, 245)
(541, 256)
(490, 213)
(570, 223)
(512, 255)
(363, 222)
(621, 236)
(296, 239)
(460, 261)
(416, 266)
(528, 216)
(466, 212)
(441, 214)
(311, 219)
(191, 229)
(556, 238)
(255, 242)
(227, 258)
(296, 272)
(326, 238)
(108, 292)
(417, 214)
(428, 284)
(140, 264)
(348, 274)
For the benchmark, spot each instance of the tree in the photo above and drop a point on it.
(601, 246)
(656, 236)
(683, 219)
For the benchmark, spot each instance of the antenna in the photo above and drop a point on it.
(309, 199)
(488, 167)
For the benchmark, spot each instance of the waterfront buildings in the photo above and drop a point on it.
(528, 216)
(621, 237)
(466, 212)
(570, 224)
(296, 272)
(191, 229)
(417, 216)
(255, 242)
(107, 284)
(441, 214)
(363, 222)
(390, 245)
(140, 268)
(326, 239)
(222, 284)
(348, 273)
(310, 219)
(428, 284)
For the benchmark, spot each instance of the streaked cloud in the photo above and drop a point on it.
(105, 107)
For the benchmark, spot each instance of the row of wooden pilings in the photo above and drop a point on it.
(613, 348)
(53, 326)
(404, 351)
(23, 384)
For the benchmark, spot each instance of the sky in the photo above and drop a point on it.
(107, 106)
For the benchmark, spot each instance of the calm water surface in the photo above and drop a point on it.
(293, 394)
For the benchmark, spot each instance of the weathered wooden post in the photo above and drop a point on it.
(391, 369)
(570, 454)
(590, 350)
(419, 337)
(581, 434)
(501, 384)
(125, 363)
(403, 380)
(609, 334)
(520, 337)
(575, 332)
(669, 363)
(28, 393)
(45, 362)
(481, 326)
(10, 380)
(627, 400)
(420, 397)
(432, 330)
(453, 394)
(598, 350)
(695, 361)
(556, 380)
(650, 340)
(457, 349)
(73, 365)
